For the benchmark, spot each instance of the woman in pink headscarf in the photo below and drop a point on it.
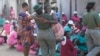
(6, 27)
(12, 38)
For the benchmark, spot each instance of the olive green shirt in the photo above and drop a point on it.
(91, 20)
(44, 26)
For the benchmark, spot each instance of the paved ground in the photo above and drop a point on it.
(6, 51)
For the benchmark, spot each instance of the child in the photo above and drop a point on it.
(67, 47)
(12, 38)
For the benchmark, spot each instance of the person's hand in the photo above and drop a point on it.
(29, 17)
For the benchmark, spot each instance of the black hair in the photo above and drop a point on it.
(15, 27)
(14, 24)
(66, 32)
(24, 4)
(45, 7)
(11, 7)
(39, 12)
(89, 6)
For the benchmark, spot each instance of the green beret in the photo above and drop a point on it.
(37, 7)
(89, 2)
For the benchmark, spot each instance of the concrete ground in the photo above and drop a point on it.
(6, 51)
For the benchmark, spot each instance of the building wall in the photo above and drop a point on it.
(64, 5)
(2, 3)
(13, 3)
(8, 5)
(34, 2)
(81, 4)
(1, 6)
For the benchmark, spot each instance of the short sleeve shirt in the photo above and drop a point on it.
(91, 20)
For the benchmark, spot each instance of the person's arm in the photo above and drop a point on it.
(15, 35)
(78, 43)
(41, 19)
(97, 19)
(29, 17)
(84, 21)
(52, 22)
(54, 16)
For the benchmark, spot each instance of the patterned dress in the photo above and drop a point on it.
(25, 30)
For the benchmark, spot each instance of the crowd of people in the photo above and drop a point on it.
(42, 34)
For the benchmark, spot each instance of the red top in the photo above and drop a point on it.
(64, 18)
(75, 19)
(68, 49)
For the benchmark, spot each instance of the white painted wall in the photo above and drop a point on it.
(65, 6)
(1, 6)
(13, 3)
(81, 4)
(34, 2)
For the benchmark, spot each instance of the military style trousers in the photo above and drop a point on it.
(93, 40)
(47, 41)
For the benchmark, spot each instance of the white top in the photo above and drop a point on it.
(64, 42)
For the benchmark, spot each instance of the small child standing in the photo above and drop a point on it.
(67, 47)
